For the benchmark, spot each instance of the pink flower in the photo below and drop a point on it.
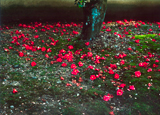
(92, 77)
(156, 61)
(106, 97)
(87, 43)
(14, 91)
(149, 70)
(43, 49)
(116, 76)
(90, 54)
(73, 66)
(33, 63)
(64, 65)
(21, 54)
(137, 73)
(90, 67)
(111, 71)
(75, 71)
(119, 92)
(70, 47)
(137, 41)
(131, 87)
(80, 64)
(122, 62)
(122, 85)
(59, 59)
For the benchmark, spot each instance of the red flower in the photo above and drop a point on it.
(59, 59)
(14, 91)
(90, 67)
(73, 66)
(87, 43)
(111, 71)
(46, 55)
(90, 54)
(70, 47)
(49, 50)
(137, 73)
(122, 62)
(92, 77)
(43, 49)
(116, 76)
(130, 48)
(21, 54)
(33, 63)
(131, 87)
(122, 85)
(149, 70)
(64, 64)
(36, 36)
(154, 65)
(106, 97)
(113, 66)
(80, 64)
(62, 51)
(61, 78)
(156, 61)
(75, 71)
(137, 41)
(119, 92)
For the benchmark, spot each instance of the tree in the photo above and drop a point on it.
(94, 13)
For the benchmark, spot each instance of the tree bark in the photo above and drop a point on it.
(94, 14)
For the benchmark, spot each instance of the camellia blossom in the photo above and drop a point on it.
(21, 54)
(59, 59)
(122, 62)
(80, 64)
(92, 77)
(64, 65)
(33, 63)
(73, 66)
(131, 87)
(116, 76)
(75, 71)
(119, 92)
(87, 43)
(89, 54)
(122, 85)
(111, 71)
(14, 91)
(70, 47)
(137, 73)
(43, 49)
(106, 97)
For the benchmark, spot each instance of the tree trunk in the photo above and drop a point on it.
(94, 14)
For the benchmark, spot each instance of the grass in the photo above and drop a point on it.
(51, 88)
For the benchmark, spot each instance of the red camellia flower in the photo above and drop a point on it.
(119, 92)
(149, 70)
(90, 54)
(43, 49)
(156, 61)
(75, 71)
(92, 77)
(46, 55)
(14, 91)
(137, 73)
(154, 65)
(137, 41)
(90, 67)
(87, 43)
(36, 36)
(130, 48)
(70, 47)
(80, 64)
(21, 54)
(73, 66)
(106, 97)
(33, 63)
(122, 85)
(111, 71)
(59, 59)
(122, 62)
(131, 87)
(64, 64)
(116, 76)
(62, 51)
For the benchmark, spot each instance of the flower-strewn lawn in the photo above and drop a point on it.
(45, 69)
